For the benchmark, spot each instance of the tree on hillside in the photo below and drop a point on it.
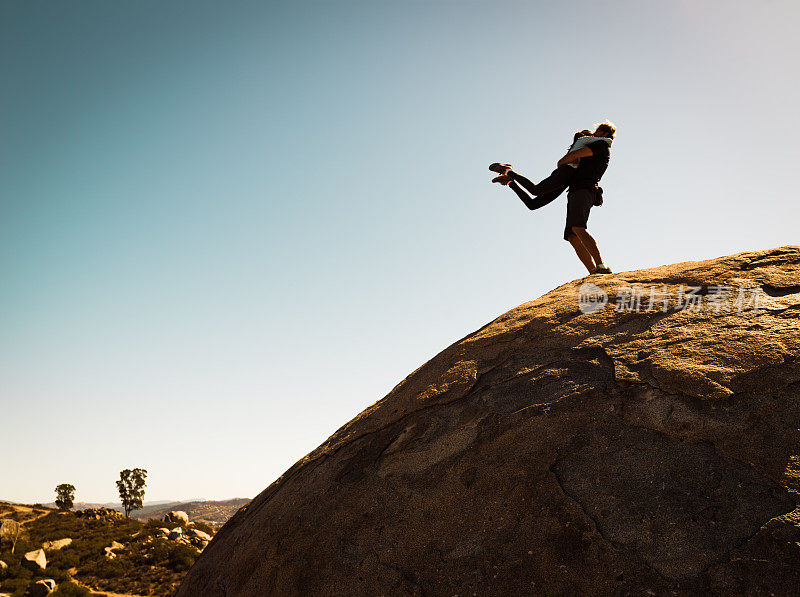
(131, 489)
(65, 496)
(10, 530)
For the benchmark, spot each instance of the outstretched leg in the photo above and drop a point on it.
(534, 202)
(559, 179)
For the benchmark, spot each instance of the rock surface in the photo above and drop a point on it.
(42, 588)
(196, 533)
(99, 514)
(110, 551)
(177, 516)
(558, 451)
(35, 560)
(57, 544)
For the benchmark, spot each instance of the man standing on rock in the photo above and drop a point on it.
(584, 192)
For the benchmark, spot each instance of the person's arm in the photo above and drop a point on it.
(583, 152)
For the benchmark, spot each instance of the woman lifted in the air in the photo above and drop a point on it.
(580, 170)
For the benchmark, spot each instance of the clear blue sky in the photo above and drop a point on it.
(228, 227)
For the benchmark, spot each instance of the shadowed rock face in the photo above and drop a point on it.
(557, 451)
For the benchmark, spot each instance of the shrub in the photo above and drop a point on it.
(181, 557)
(15, 568)
(64, 558)
(105, 568)
(201, 526)
(16, 586)
(24, 545)
(159, 553)
(56, 574)
(54, 526)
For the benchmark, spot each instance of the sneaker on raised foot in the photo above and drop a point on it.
(500, 168)
(502, 179)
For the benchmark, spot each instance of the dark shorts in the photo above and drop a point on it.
(579, 203)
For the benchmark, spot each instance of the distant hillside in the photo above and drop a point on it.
(83, 553)
(84, 505)
(212, 513)
(148, 506)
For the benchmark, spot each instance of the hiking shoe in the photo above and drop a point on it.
(602, 270)
(502, 179)
(500, 168)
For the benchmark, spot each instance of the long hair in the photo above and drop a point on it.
(579, 134)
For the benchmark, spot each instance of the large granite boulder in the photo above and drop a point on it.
(197, 533)
(41, 588)
(57, 544)
(178, 516)
(111, 551)
(35, 560)
(587, 442)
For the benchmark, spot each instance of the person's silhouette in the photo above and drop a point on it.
(580, 170)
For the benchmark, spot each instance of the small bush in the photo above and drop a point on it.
(16, 586)
(15, 569)
(23, 545)
(159, 553)
(201, 526)
(181, 557)
(106, 568)
(64, 558)
(56, 574)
